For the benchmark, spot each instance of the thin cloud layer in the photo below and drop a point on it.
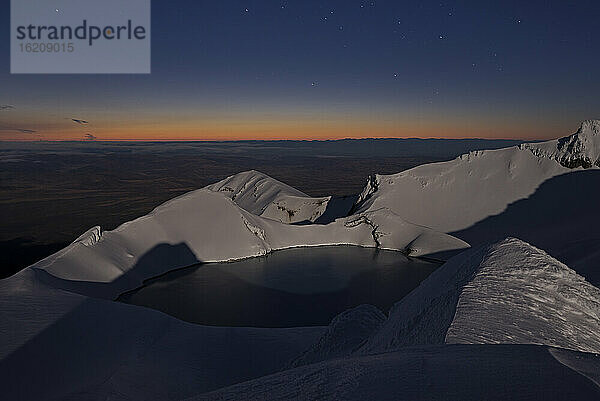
(21, 130)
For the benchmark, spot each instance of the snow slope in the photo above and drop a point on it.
(451, 196)
(264, 196)
(60, 345)
(207, 226)
(521, 295)
(486, 325)
(88, 348)
(507, 293)
(558, 218)
(435, 373)
(528, 191)
(344, 335)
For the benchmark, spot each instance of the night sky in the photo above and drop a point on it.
(330, 69)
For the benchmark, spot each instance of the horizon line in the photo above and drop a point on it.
(274, 140)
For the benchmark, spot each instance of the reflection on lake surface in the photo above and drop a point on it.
(288, 288)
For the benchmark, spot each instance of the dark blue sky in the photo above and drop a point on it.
(319, 69)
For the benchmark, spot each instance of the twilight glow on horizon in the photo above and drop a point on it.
(237, 70)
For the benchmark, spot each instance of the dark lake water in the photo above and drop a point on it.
(288, 288)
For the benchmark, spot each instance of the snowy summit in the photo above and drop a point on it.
(582, 149)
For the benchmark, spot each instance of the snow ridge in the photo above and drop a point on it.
(370, 188)
(582, 149)
(454, 195)
(346, 333)
(506, 293)
(208, 226)
(264, 196)
(521, 295)
(90, 237)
